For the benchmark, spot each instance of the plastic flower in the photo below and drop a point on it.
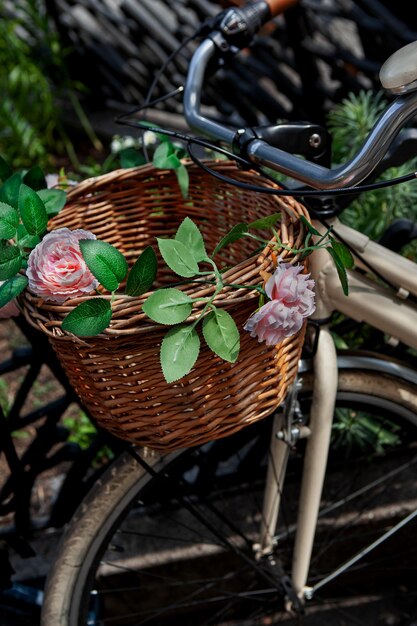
(292, 300)
(56, 268)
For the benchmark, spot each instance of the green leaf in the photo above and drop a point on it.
(89, 318)
(183, 179)
(340, 270)
(32, 211)
(53, 199)
(9, 221)
(178, 257)
(5, 169)
(162, 157)
(105, 261)
(9, 192)
(236, 233)
(10, 261)
(143, 273)
(309, 226)
(11, 288)
(131, 157)
(25, 239)
(189, 234)
(179, 351)
(221, 334)
(168, 306)
(265, 222)
(35, 178)
(343, 253)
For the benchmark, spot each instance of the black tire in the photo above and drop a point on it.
(118, 537)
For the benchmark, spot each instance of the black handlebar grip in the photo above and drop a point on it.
(245, 21)
(240, 24)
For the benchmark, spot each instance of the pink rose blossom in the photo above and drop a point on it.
(293, 289)
(10, 309)
(56, 268)
(292, 299)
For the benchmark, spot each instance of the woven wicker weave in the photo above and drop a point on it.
(118, 374)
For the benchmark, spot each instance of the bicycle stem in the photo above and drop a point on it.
(394, 118)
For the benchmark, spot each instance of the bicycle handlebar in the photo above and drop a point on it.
(260, 152)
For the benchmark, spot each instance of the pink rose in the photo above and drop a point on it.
(9, 310)
(293, 289)
(292, 299)
(56, 268)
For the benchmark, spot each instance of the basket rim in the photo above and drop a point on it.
(127, 316)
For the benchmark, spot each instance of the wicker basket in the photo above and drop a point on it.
(117, 374)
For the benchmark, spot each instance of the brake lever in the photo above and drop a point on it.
(301, 138)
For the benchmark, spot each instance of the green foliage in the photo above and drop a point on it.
(9, 191)
(10, 261)
(181, 345)
(372, 212)
(340, 254)
(23, 220)
(265, 222)
(81, 429)
(35, 178)
(238, 231)
(83, 433)
(357, 430)
(11, 288)
(178, 257)
(179, 351)
(89, 318)
(33, 73)
(9, 221)
(166, 155)
(23, 215)
(221, 334)
(5, 169)
(32, 211)
(28, 113)
(104, 261)
(189, 234)
(53, 200)
(183, 254)
(143, 273)
(168, 306)
(350, 122)
(5, 403)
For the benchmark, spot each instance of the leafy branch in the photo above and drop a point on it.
(25, 208)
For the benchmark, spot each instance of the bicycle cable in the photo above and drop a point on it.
(189, 140)
(207, 24)
(299, 192)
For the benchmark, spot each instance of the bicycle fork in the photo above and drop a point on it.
(286, 432)
(315, 461)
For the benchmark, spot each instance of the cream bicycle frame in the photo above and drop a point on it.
(383, 308)
(370, 302)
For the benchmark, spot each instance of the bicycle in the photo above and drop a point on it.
(178, 535)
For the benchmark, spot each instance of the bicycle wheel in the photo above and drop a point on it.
(174, 544)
